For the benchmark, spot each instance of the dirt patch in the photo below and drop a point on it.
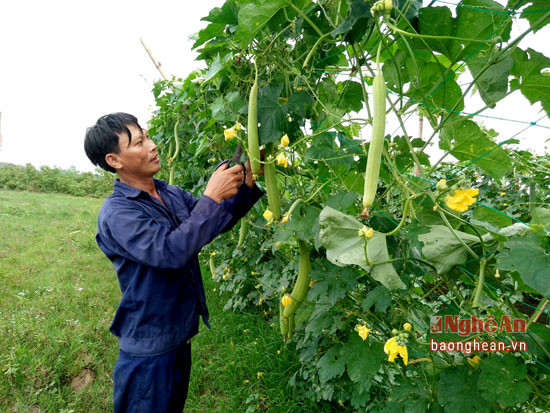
(83, 379)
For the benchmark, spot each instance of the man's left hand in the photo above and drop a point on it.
(249, 181)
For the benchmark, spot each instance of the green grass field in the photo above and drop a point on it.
(58, 294)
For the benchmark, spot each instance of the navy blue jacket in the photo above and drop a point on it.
(154, 250)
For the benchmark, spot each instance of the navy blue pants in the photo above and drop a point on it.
(147, 384)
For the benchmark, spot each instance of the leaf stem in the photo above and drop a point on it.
(307, 19)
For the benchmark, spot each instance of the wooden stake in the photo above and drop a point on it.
(155, 62)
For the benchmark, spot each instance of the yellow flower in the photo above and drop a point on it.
(286, 300)
(502, 193)
(407, 326)
(245, 259)
(281, 160)
(497, 274)
(213, 253)
(259, 374)
(365, 232)
(311, 283)
(230, 133)
(392, 349)
(285, 218)
(461, 199)
(363, 331)
(284, 140)
(238, 126)
(441, 185)
(268, 214)
(474, 361)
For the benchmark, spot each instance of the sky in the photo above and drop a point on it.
(63, 64)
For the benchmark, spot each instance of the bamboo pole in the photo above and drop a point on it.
(155, 61)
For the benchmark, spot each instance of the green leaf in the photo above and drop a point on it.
(443, 250)
(493, 83)
(253, 17)
(409, 397)
(220, 111)
(217, 66)
(502, 380)
(350, 96)
(534, 12)
(227, 14)
(465, 140)
(342, 200)
(331, 365)
(298, 104)
(333, 283)
(379, 297)
(412, 7)
(526, 256)
(457, 391)
(534, 85)
(476, 21)
(271, 116)
(362, 360)
(541, 217)
(234, 101)
(377, 251)
(357, 22)
(484, 214)
(209, 32)
(324, 147)
(339, 236)
(438, 21)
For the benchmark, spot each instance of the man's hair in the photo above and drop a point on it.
(102, 138)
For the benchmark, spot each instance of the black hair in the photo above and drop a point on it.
(102, 138)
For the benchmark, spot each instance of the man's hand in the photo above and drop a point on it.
(224, 183)
(249, 181)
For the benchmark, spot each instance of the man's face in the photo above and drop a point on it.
(139, 158)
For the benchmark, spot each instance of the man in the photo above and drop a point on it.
(152, 232)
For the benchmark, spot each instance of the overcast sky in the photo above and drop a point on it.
(63, 64)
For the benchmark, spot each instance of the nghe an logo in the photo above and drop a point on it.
(466, 326)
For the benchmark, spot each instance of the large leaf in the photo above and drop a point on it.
(217, 66)
(254, 16)
(356, 23)
(509, 373)
(533, 83)
(339, 236)
(438, 21)
(535, 12)
(377, 251)
(363, 359)
(443, 250)
(227, 14)
(465, 140)
(379, 297)
(493, 83)
(333, 283)
(271, 116)
(541, 217)
(457, 391)
(331, 365)
(475, 21)
(526, 256)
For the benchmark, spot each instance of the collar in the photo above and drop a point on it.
(133, 192)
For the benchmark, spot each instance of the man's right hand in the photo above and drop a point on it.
(224, 183)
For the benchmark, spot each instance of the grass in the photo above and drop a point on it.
(58, 294)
